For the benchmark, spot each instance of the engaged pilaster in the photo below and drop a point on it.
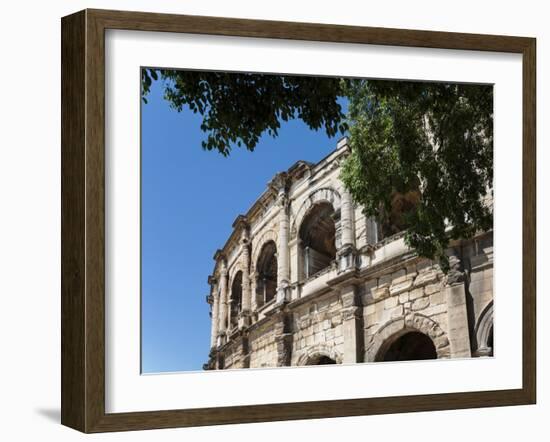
(346, 253)
(244, 316)
(352, 316)
(213, 300)
(283, 269)
(253, 290)
(455, 292)
(283, 339)
(223, 317)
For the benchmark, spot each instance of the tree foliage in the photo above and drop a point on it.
(422, 158)
(238, 108)
(422, 153)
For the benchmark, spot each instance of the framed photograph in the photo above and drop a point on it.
(266, 220)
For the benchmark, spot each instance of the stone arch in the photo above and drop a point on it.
(317, 245)
(233, 270)
(233, 274)
(318, 351)
(398, 327)
(484, 331)
(327, 194)
(259, 242)
(266, 274)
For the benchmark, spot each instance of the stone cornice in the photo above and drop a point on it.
(219, 255)
(241, 222)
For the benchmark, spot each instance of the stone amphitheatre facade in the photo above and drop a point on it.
(305, 278)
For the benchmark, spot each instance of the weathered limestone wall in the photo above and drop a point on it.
(263, 346)
(318, 330)
(373, 292)
(393, 301)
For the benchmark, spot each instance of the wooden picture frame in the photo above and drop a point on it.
(83, 220)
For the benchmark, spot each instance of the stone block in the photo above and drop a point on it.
(403, 297)
(381, 292)
(420, 304)
(401, 287)
(427, 276)
(434, 310)
(370, 319)
(399, 276)
(416, 293)
(334, 302)
(390, 302)
(481, 286)
(437, 298)
(369, 309)
(335, 320)
(370, 284)
(320, 337)
(411, 270)
(371, 329)
(397, 312)
(385, 280)
(441, 342)
(322, 305)
(455, 296)
(432, 288)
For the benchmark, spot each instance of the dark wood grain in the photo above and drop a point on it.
(529, 221)
(73, 255)
(145, 21)
(83, 220)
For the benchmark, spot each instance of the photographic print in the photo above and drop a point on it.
(248, 204)
(299, 220)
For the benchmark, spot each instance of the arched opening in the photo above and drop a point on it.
(321, 360)
(266, 268)
(317, 235)
(236, 298)
(484, 333)
(401, 205)
(325, 360)
(412, 346)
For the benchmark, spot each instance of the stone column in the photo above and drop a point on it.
(229, 314)
(346, 220)
(293, 253)
(246, 301)
(283, 339)
(372, 231)
(346, 253)
(215, 319)
(223, 316)
(457, 313)
(215, 313)
(283, 276)
(352, 325)
(253, 294)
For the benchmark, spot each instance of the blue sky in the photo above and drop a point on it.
(190, 198)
